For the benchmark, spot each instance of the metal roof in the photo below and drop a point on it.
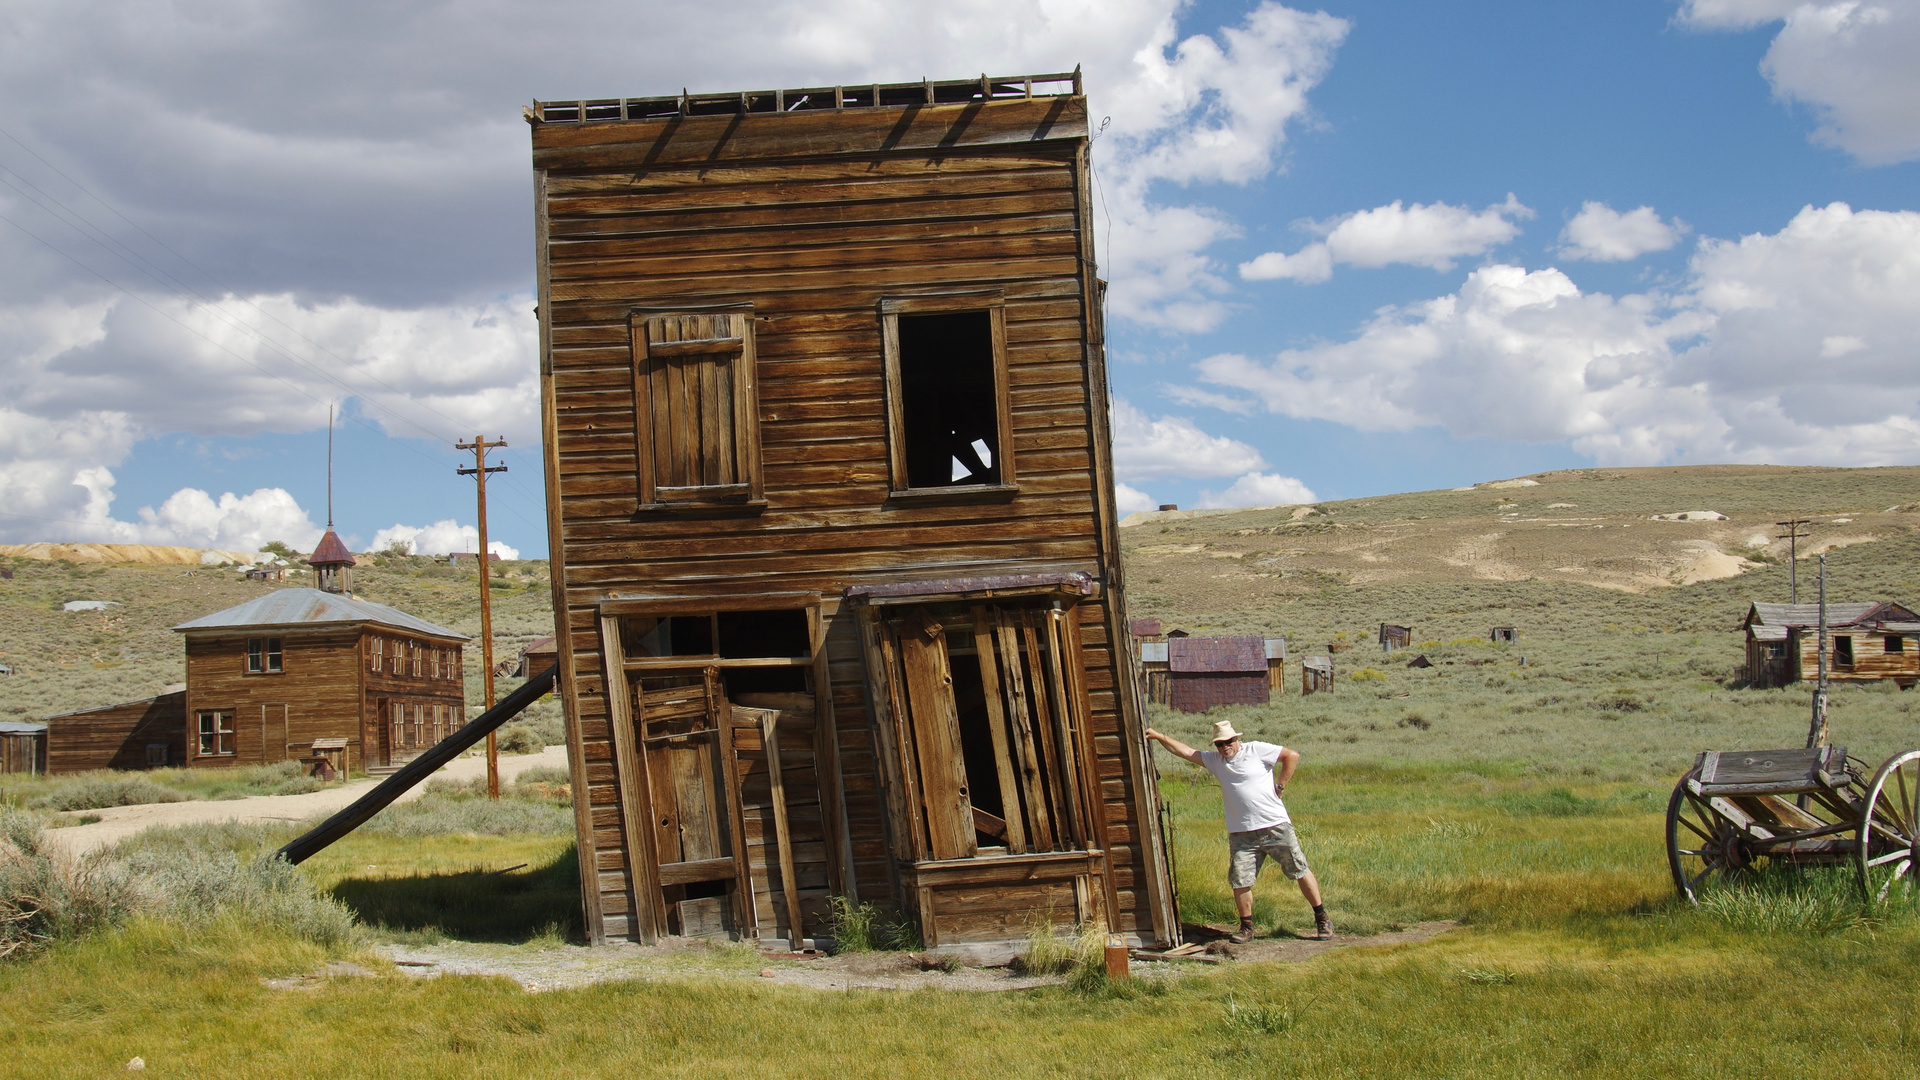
(1217, 654)
(1153, 652)
(307, 607)
(180, 693)
(1838, 614)
(1144, 627)
(812, 99)
(15, 727)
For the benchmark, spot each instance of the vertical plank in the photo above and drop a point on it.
(746, 916)
(647, 915)
(1032, 783)
(896, 401)
(997, 724)
(694, 781)
(884, 713)
(936, 737)
(777, 781)
(1077, 807)
(703, 372)
(826, 757)
(1074, 662)
(745, 387)
(1065, 836)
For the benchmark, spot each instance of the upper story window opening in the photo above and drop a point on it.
(264, 656)
(949, 420)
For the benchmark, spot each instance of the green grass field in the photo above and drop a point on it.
(1524, 801)
(1572, 962)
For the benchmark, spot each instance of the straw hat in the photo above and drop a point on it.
(1223, 731)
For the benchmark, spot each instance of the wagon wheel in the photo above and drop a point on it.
(1888, 853)
(1702, 846)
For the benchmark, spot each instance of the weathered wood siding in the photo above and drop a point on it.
(116, 737)
(813, 218)
(23, 752)
(1871, 660)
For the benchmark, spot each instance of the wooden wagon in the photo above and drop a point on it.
(1737, 809)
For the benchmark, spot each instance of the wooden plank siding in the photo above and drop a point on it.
(813, 219)
(1872, 659)
(325, 689)
(117, 736)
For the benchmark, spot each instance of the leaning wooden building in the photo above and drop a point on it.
(830, 500)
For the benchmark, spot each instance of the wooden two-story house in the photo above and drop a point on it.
(269, 678)
(836, 570)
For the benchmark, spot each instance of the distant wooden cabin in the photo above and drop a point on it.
(268, 678)
(1147, 630)
(540, 655)
(1159, 677)
(830, 498)
(1316, 674)
(1207, 672)
(23, 748)
(1865, 641)
(146, 734)
(1395, 637)
(1503, 635)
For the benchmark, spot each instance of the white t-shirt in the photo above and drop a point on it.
(1246, 786)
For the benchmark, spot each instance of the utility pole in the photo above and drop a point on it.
(479, 472)
(1792, 537)
(1817, 731)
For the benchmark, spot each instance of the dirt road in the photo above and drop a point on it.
(118, 822)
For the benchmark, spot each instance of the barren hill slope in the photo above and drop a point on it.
(1600, 527)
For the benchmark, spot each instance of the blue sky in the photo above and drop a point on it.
(1360, 248)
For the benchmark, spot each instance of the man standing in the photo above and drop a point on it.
(1257, 823)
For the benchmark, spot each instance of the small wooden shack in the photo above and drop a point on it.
(540, 655)
(830, 497)
(268, 677)
(1316, 674)
(146, 734)
(23, 748)
(1865, 641)
(1204, 673)
(1503, 635)
(1395, 637)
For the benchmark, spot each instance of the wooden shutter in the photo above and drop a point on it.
(697, 417)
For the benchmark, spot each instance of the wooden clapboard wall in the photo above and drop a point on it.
(813, 218)
(116, 737)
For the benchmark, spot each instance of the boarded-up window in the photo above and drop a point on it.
(949, 421)
(696, 426)
(991, 741)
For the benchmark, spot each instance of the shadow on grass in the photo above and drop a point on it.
(474, 905)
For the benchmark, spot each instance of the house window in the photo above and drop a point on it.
(396, 725)
(419, 725)
(215, 728)
(263, 655)
(159, 755)
(1896, 644)
(1776, 650)
(416, 660)
(1842, 651)
(697, 415)
(376, 653)
(949, 424)
(396, 655)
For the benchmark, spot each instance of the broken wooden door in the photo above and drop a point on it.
(685, 744)
(988, 729)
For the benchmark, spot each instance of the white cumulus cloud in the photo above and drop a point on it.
(1259, 489)
(1145, 448)
(1852, 61)
(1599, 233)
(439, 538)
(1129, 499)
(1795, 347)
(1431, 235)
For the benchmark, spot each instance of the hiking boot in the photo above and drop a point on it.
(1322, 927)
(1242, 935)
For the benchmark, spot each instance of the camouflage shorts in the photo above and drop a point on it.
(1249, 848)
